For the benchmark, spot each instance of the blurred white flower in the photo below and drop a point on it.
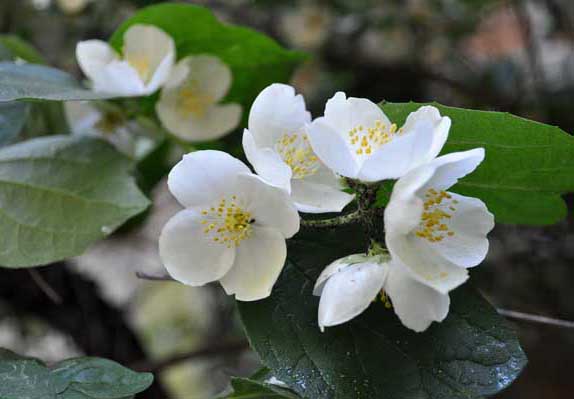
(232, 230)
(86, 119)
(277, 146)
(72, 6)
(189, 103)
(356, 139)
(438, 234)
(307, 26)
(145, 65)
(349, 285)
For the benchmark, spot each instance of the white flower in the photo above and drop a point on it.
(88, 120)
(438, 234)
(188, 106)
(349, 285)
(72, 7)
(277, 146)
(145, 65)
(356, 139)
(232, 230)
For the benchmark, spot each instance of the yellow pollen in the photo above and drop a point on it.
(432, 226)
(141, 65)
(372, 138)
(296, 151)
(192, 101)
(385, 299)
(228, 224)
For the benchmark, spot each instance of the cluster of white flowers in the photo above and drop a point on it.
(235, 222)
(191, 89)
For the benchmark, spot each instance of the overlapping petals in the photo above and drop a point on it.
(232, 230)
(357, 140)
(145, 65)
(277, 146)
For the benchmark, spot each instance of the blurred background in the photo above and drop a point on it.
(515, 56)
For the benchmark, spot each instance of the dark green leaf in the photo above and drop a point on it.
(25, 378)
(30, 81)
(244, 388)
(473, 353)
(12, 119)
(58, 195)
(527, 166)
(255, 59)
(100, 379)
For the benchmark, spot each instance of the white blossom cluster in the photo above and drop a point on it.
(191, 89)
(235, 223)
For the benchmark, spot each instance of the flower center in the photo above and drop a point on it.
(109, 122)
(227, 223)
(367, 140)
(193, 102)
(438, 209)
(296, 151)
(141, 65)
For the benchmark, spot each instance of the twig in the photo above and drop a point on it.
(536, 318)
(349, 218)
(145, 276)
(45, 287)
(223, 348)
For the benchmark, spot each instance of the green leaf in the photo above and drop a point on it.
(58, 195)
(100, 378)
(25, 378)
(21, 49)
(255, 59)
(472, 354)
(527, 166)
(244, 388)
(13, 116)
(80, 378)
(30, 81)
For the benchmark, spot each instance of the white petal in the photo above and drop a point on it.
(331, 148)
(203, 177)
(277, 111)
(258, 263)
(471, 222)
(424, 263)
(119, 78)
(312, 197)
(344, 114)
(93, 56)
(81, 116)
(152, 46)
(270, 206)
(429, 117)
(348, 293)
(219, 119)
(210, 75)
(189, 255)
(416, 305)
(267, 163)
(395, 158)
(451, 167)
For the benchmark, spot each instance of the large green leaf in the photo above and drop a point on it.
(31, 81)
(79, 378)
(527, 166)
(255, 59)
(101, 378)
(58, 195)
(13, 116)
(472, 354)
(244, 388)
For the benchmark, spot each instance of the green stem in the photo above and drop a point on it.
(349, 218)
